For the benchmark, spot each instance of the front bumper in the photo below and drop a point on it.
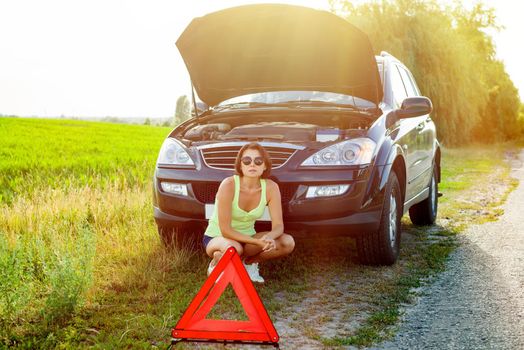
(345, 214)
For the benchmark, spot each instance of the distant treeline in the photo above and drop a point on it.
(453, 60)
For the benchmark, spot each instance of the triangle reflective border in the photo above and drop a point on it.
(195, 326)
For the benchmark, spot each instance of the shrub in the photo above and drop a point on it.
(453, 59)
(16, 285)
(70, 274)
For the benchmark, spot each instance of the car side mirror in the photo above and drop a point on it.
(414, 107)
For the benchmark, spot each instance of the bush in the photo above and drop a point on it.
(69, 275)
(16, 285)
(44, 281)
(453, 60)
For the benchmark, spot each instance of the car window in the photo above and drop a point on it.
(380, 67)
(408, 83)
(399, 91)
(414, 83)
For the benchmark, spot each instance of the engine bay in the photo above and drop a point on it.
(318, 129)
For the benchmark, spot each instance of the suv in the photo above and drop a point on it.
(351, 141)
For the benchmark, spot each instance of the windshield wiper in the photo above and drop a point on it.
(246, 104)
(366, 111)
(325, 103)
(252, 137)
(288, 104)
(298, 104)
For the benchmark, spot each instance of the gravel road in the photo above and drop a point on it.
(478, 302)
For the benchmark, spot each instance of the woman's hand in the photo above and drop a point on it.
(263, 244)
(270, 243)
(266, 243)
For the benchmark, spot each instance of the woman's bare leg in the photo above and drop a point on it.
(284, 246)
(218, 245)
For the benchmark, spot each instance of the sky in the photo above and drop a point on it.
(118, 58)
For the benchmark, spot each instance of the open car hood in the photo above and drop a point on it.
(260, 48)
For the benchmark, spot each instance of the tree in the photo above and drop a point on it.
(453, 60)
(520, 121)
(183, 110)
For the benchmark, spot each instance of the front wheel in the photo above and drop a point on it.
(382, 247)
(425, 212)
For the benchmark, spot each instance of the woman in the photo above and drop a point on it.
(240, 201)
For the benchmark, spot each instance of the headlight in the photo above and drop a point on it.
(351, 152)
(173, 153)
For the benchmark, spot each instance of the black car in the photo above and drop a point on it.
(351, 140)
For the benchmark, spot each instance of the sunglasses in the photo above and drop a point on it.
(257, 160)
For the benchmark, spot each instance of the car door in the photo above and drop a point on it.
(425, 135)
(407, 135)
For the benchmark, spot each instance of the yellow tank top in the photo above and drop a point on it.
(241, 220)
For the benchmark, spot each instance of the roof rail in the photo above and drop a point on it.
(389, 56)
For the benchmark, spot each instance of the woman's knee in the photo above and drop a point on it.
(287, 243)
(221, 243)
(237, 245)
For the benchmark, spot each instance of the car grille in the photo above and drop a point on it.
(223, 157)
(205, 192)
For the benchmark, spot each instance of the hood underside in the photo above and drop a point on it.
(260, 48)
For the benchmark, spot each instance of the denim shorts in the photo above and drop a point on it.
(206, 240)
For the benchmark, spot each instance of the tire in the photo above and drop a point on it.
(181, 237)
(425, 212)
(382, 247)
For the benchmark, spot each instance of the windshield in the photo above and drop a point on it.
(299, 96)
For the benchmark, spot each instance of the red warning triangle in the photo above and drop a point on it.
(194, 325)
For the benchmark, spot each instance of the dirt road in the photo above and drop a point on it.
(478, 302)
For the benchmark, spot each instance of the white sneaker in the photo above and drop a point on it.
(254, 275)
(211, 267)
(214, 262)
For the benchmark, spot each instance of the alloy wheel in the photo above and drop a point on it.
(392, 220)
(433, 195)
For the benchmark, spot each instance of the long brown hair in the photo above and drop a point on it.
(263, 153)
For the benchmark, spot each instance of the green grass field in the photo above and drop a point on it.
(39, 154)
(81, 264)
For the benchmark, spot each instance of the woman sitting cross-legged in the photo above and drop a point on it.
(240, 201)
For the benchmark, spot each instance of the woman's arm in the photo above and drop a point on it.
(275, 210)
(225, 195)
